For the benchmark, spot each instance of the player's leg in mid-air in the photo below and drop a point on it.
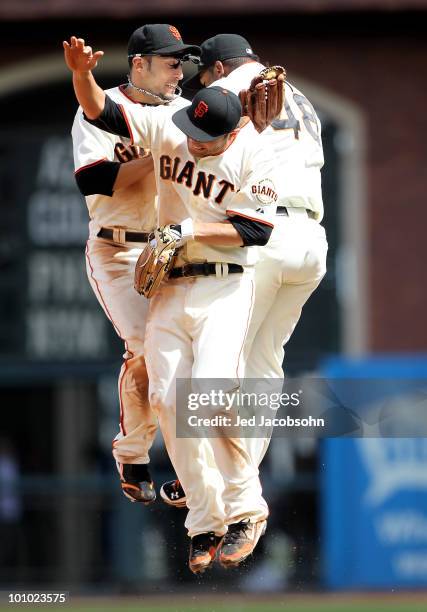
(229, 494)
(110, 272)
(291, 267)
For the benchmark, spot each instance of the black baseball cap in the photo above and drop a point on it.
(159, 39)
(220, 47)
(214, 112)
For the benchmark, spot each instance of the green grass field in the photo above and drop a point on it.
(293, 603)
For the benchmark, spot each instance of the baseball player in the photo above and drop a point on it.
(293, 263)
(208, 172)
(121, 198)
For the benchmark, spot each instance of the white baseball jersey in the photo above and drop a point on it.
(294, 139)
(239, 181)
(132, 207)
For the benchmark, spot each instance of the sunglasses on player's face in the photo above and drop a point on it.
(178, 60)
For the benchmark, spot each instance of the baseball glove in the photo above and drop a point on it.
(156, 261)
(263, 101)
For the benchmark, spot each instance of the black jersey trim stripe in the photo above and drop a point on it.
(125, 117)
(239, 214)
(98, 178)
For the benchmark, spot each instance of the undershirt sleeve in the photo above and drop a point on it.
(253, 233)
(112, 119)
(98, 178)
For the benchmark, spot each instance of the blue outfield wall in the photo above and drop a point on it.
(374, 494)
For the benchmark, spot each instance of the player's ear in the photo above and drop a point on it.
(231, 136)
(218, 70)
(139, 63)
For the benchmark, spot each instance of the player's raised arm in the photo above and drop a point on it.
(81, 60)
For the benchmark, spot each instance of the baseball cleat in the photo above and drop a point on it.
(239, 542)
(137, 484)
(203, 551)
(173, 494)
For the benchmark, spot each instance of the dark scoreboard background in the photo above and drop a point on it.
(47, 309)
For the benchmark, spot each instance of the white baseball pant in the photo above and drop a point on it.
(290, 268)
(196, 329)
(110, 269)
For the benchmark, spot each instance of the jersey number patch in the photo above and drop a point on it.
(308, 116)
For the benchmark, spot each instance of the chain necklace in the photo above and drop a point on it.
(153, 95)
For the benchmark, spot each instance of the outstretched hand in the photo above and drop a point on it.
(78, 56)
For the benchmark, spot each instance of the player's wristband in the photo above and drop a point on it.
(186, 230)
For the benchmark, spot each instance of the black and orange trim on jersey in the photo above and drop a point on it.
(252, 231)
(122, 89)
(125, 117)
(113, 119)
(98, 161)
(239, 214)
(97, 177)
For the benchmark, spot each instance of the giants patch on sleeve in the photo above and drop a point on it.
(265, 191)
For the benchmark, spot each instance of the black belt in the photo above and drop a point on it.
(104, 232)
(202, 269)
(283, 211)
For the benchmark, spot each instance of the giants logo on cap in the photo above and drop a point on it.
(174, 32)
(201, 109)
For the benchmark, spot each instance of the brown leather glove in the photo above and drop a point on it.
(264, 99)
(156, 261)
